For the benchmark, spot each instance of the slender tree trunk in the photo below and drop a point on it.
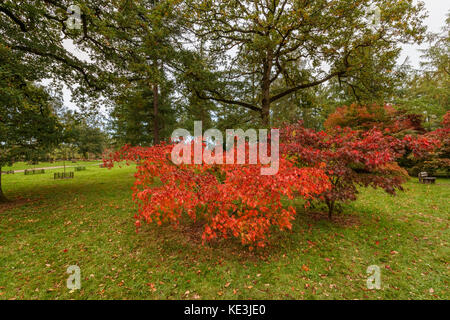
(156, 137)
(2, 196)
(330, 205)
(155, 114)
(265, 86)
(265, 114)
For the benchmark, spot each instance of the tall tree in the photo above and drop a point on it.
(133, 116)
(126, 44)
(299, 44)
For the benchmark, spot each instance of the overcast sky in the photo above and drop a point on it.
(437, 12)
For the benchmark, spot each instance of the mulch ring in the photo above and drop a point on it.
(193, 231)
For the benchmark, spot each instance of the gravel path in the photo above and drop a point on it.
(50, 168)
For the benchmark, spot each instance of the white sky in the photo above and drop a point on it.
(437, 12)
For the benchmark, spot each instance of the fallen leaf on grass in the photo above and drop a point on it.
(152, 287)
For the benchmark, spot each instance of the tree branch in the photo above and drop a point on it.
(305, 86)
(19, 22)
(72, 64)
(228, 101)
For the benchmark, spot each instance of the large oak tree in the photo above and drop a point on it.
(296, 44)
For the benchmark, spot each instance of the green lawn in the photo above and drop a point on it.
(88, 222)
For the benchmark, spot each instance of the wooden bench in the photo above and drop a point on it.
(34, 171)
(63, 175)
(425, 179)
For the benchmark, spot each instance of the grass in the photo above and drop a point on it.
(88, 222)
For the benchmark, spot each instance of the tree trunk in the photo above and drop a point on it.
(330, 205)
(2, 196)
(265, 86)
(155, 114)
(265, 114)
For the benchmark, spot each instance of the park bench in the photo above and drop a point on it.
(80, 168)
(424, 178)
(63, 175)
(34, 171)
(102, 165)
(8, 172)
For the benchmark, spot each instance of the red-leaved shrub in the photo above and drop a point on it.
(232, 200)
(439, 161)
(352, 158)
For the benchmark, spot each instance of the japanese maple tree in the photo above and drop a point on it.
(440, 159)
(387, 118)
(233, 200)
(352, 158)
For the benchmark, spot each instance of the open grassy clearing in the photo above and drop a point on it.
(88, 222)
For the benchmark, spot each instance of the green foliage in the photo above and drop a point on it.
(82, 136)
(38, 29)
(428, 90)
(133, 117)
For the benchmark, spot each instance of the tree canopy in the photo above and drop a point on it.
(261, 51)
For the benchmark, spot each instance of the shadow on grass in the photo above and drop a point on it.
(15, 203)
(187, 237)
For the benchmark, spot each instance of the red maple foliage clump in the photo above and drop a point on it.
(440, 159)
(382, 117)
(232, 200)
(352, 158)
